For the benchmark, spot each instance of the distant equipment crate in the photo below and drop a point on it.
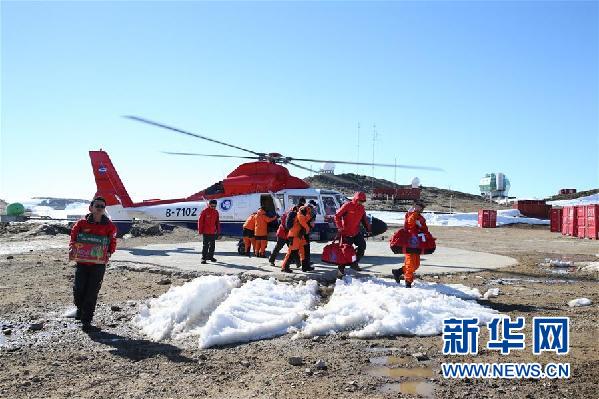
(533, 208)
(570, 221)
(555, 218)
(487, 218)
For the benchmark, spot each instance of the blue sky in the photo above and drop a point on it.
(471, 87)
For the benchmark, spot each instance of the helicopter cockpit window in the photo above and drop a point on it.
(294, 199)
(330, 206)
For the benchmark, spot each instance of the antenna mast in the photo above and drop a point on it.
(374, 137)
(358, 154)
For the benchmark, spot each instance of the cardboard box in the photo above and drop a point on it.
(90, 248)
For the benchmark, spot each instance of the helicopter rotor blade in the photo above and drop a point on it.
(199, 136)
(332, 177)
(207, 155)
(390, 165)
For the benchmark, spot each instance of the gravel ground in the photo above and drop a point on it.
(47, 355)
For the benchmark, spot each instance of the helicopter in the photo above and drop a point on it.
(265, 182)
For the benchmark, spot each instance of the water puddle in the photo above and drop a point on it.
(386, 367)
(423, 372)
(389, 360)
(422, 388)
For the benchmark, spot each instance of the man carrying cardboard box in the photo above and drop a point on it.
(93, 241)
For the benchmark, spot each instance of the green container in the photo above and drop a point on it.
(15, 209)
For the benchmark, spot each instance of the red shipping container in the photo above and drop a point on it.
(592, 222)
(581, 221)
(555, 217)
(570, 221)
(533, 208)
(487, 218)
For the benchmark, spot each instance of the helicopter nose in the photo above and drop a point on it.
(377, 226)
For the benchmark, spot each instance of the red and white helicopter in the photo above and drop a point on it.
(263, 182)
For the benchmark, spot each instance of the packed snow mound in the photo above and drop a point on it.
(504, 217)
(579, 302)
(185, 308)
(588, 200)
(491, 293)
(381, 307)
(257, 310)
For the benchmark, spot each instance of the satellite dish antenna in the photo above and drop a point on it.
(415, 182)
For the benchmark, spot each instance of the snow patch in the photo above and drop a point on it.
(380, 307)
(70, 312)
(491, 293)
(588, 200)
(259, 309)
(470, 219)
(185, 308)
(579, 302)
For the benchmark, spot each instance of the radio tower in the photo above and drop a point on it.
(374, 137)
(358, 155)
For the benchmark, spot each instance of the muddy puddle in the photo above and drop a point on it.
(413, 378)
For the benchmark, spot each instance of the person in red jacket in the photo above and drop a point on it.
(282, 232)
(89, 276)
(415, 224)
(209, 228)
(348, 219)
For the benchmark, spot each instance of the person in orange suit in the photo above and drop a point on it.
(297, 239)
(248, 233)
(415, 224)
(261, 231)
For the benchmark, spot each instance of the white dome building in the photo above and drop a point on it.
(328, 168)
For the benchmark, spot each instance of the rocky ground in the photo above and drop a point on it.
(45, 354)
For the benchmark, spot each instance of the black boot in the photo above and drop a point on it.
(306, 266)
(397, 274)
(355, 266)
(340, 272)
(408, 284)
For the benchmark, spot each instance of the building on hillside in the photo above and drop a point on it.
(494, 185)
(327, 169)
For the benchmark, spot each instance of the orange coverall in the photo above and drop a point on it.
(248, 240)
(297, 236)
(261, 231)
(414, 224)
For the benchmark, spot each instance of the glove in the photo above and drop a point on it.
(422, 237)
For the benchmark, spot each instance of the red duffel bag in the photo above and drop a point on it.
(339, 253)
(403, 242)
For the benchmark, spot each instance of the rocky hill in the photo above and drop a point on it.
(573, 196)
(437, 199)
